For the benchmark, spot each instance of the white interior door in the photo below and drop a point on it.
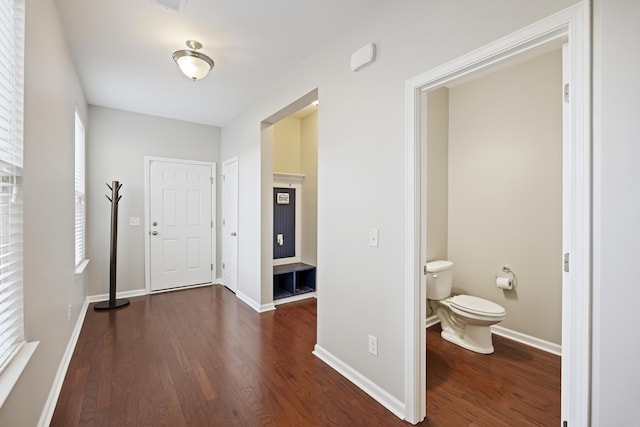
(230, 224)
(180, 224)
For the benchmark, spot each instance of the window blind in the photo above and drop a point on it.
(11, 130)
(80, 191)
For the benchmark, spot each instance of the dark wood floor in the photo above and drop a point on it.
(200, 357)
(515, 386)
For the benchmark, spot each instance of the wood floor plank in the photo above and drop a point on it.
(208, 392)
(201, 357)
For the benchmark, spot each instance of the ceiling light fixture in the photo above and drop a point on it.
(193, 64)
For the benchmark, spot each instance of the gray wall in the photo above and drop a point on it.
(505, 191)
(616, 213)
(361, 166)
(52, 92)
(117, 142)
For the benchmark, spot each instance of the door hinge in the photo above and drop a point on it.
(566, 262)
(211, 179)
(224, 178)
(566, 92)
(565, 424)
(211, 224)
(223, 266)
(223, 221)
(211, 266)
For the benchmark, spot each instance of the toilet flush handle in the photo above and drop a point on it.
(425, 271)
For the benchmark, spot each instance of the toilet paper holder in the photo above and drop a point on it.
(506, 283)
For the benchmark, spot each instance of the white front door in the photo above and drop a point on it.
(230, 224)
(180, 224)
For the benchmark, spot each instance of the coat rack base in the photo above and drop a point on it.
(106, 305)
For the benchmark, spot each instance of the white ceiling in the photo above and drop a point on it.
(122, 50)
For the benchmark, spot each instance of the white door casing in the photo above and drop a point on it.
(230, 223)
(179, 223)
(571, 26)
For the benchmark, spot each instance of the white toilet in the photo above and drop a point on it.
(465, 320)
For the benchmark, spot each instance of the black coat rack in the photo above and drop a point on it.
(113, 302)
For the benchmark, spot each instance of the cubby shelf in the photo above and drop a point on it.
(293, 279)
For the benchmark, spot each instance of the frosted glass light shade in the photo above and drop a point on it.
(194, 65)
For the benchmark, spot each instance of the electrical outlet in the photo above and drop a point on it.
(134, 220)
(373, 345)
(69, 312)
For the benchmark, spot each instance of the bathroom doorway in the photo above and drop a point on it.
(493, 166)
(570, 29)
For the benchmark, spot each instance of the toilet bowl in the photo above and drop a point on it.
(465, 319)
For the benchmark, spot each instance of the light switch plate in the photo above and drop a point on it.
(373, 345)
(374, 235)
(134, 220)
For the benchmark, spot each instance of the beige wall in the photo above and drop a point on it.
(505, 191)
(295, 150)
(116, 145)
(437, 174)
(286, 146)
(52, 93)
(309, 168)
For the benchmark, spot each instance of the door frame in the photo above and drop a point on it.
(571, 25)
(147, 215)
(222, 247)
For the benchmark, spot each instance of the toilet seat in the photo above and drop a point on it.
(477, 306)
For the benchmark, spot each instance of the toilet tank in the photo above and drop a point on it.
(439, 279)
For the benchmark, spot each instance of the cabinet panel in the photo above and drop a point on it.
(293, 279)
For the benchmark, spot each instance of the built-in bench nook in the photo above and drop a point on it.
(293, 279)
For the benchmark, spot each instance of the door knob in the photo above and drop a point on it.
(154, 223)
(154, 232)
(234, 234)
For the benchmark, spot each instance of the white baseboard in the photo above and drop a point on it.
(260, 308)
(381, 396)
(525, 339)
(431, 320)
(295, 298)
(52, 400)
(125, 294)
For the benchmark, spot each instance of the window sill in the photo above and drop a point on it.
(81, 267)
(10, 376)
